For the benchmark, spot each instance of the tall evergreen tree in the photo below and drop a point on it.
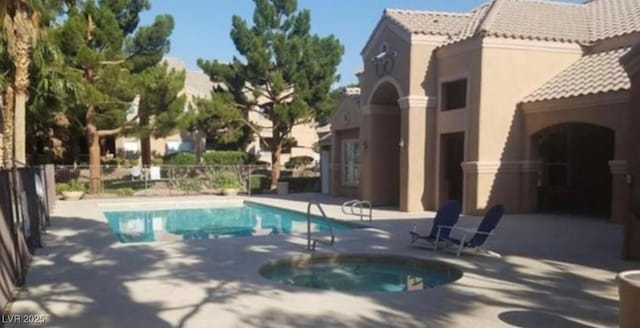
(104, 47)
(285, 72)
(162, 106)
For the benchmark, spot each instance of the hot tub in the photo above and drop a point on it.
(361, 272)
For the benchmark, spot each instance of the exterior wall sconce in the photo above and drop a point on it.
(401, 143)
(628, 179)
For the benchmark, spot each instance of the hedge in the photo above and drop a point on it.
(259, 183)
(225, 158)
(302, 184)
(180, 159)
(298, 162)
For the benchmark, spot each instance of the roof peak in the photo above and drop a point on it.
(426, 12)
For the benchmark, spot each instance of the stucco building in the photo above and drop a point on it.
(518, 102)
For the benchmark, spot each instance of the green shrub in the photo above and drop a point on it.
(227, 180)
(262, 163)
(157, 161)
(72, 185)
(180, 159)
(62, 187)
(259, 182)
(225, 158)
(302, 184)
(298, 162)
(113, 161)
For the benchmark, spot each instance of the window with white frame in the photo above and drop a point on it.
(350, 162)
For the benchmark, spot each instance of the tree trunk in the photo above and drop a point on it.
(145, 150)
(145, 141)
(7, 127)
(276, 151)
(93, 141)
(20, 128)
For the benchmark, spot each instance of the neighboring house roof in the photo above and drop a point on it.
(197, 83)
(525, 19)
(592, 74)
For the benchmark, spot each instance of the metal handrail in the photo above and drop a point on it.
(312, 246)
(358, 203)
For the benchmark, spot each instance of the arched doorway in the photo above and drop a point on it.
(576, 178)
(383, 142)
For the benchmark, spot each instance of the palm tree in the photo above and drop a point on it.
(20, 32)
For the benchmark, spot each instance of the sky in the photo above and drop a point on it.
(203, 26)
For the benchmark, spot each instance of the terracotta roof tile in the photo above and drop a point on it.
(592, 74)
(611, 18)
(539, 20)
(527, 19)
(428, 22)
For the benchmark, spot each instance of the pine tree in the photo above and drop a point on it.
(285, 72)
(162, 107)
(104, 48)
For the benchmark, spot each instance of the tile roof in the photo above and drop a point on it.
(537, 20)
(611, 18)
(428, 22)
(197, 83)
(526, 19)
(592, 74)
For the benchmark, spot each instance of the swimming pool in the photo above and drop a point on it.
(242, 220)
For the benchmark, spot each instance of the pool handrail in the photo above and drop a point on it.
(358, 203)
(311, 243)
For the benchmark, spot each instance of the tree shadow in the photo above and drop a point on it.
(535, 319)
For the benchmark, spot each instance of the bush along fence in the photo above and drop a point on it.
(27, 196)
(175, 180)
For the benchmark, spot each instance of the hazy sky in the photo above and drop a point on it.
(202, 26)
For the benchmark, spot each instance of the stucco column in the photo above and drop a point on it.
(619, 190)
(413, 153)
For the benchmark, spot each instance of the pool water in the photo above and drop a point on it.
(362, 273)
(209, 223)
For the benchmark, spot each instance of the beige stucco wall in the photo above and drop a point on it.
(510, 70)
(455, 62)
(345, 125)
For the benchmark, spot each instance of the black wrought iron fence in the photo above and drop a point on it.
(177, 180)
(26, 198)
(167, 180)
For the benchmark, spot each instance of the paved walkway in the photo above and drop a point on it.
(555, 272)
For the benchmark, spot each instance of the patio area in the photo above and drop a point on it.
(556, 271)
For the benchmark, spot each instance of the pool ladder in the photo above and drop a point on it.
(360, 204)
(311, 243)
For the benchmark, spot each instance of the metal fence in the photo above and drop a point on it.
(177, 180)
(26, 197)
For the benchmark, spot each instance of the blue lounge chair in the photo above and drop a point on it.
(480, 235)
(446, 217)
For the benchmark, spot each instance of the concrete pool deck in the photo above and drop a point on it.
(555, 271)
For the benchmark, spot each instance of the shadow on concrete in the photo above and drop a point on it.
(535, 319)
(84, 278)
